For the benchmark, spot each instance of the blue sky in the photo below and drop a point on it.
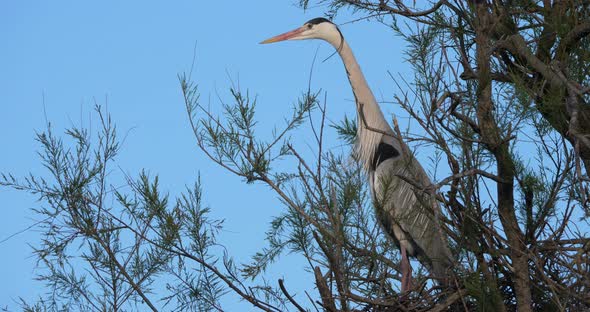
(59, 57)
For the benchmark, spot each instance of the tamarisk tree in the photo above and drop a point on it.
(498, 102)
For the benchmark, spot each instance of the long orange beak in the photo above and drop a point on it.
(286, 36)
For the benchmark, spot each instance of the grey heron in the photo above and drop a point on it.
(408, 215)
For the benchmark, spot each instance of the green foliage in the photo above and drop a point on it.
(346, 130)
(234, 141)
(486, 295)
(107, 248)
(511, 156)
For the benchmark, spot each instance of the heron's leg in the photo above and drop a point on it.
(406, 269)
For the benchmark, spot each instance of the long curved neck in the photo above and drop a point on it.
(371, 123)
(364, 97)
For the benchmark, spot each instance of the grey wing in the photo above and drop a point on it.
(409, 215)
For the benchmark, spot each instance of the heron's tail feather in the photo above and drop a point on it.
(441, 268)
(441, 271)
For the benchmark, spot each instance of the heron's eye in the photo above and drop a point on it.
(309, 26)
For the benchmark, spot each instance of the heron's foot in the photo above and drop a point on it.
(406, 278)
(406, 269)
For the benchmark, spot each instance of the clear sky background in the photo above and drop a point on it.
(58, 57)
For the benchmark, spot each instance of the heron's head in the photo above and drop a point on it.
(317, 28)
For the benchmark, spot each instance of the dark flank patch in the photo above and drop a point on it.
(318, 20)
(384, 152)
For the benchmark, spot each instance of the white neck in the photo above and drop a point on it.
(370, 119)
